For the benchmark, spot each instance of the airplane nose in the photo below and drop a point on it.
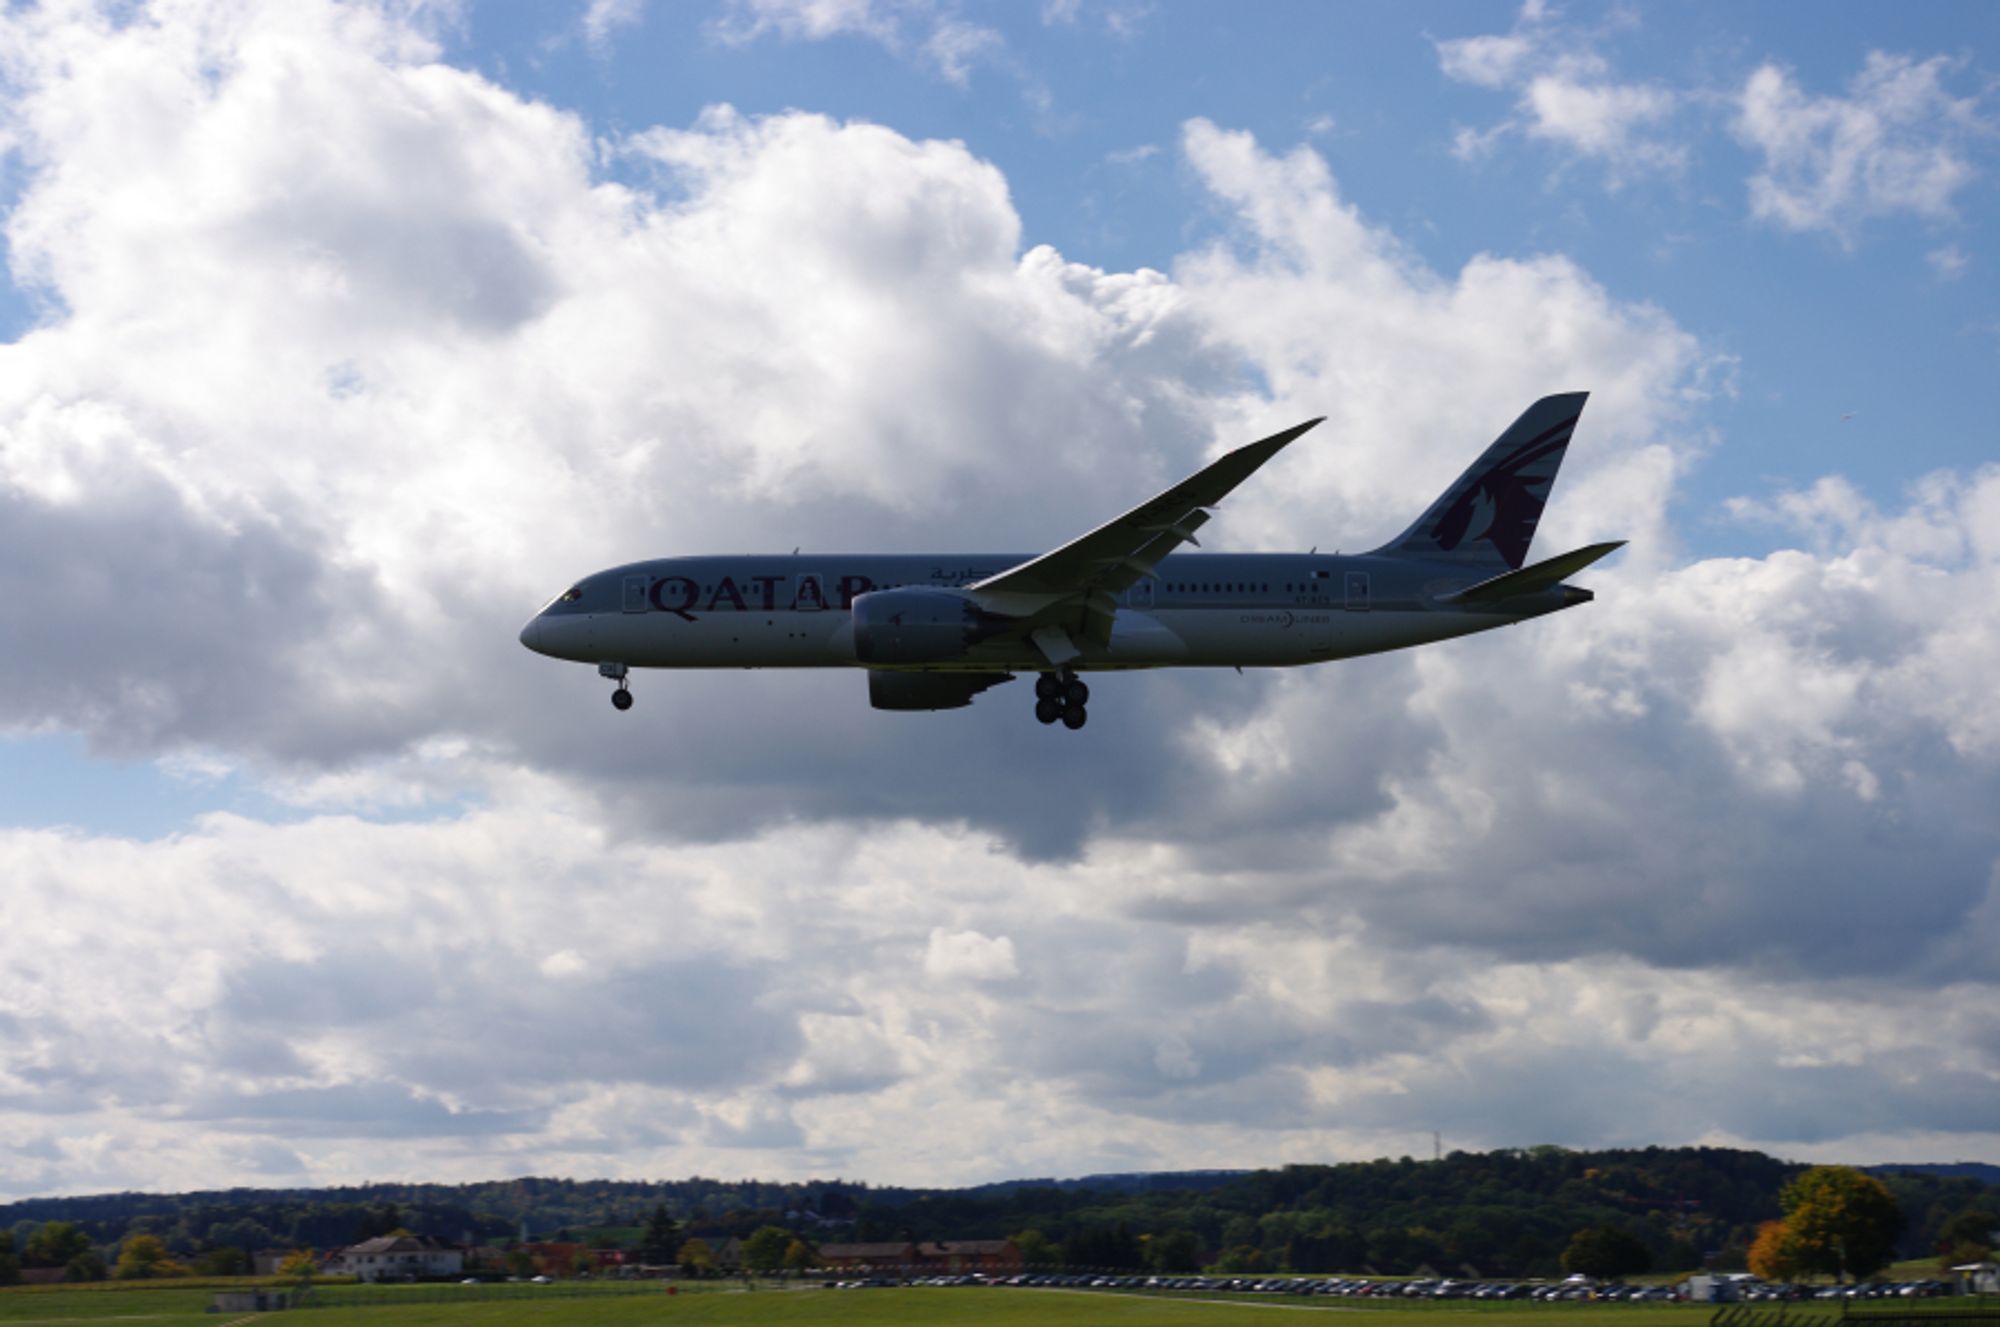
(531, 634)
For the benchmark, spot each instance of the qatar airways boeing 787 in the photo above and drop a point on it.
(932, 632)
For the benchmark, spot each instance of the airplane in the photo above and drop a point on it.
(933, 632)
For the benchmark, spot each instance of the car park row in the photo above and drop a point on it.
(1359, 1288)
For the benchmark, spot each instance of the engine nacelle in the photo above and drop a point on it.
(929, 691)
(913, 626)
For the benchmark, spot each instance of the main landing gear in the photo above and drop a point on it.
(621, 699)
(1062, 696)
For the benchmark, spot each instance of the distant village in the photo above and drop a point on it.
(406, 1257)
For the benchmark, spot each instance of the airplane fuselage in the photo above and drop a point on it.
(935, 631)
(1198, 610)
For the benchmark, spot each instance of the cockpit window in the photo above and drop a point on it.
(571, 595)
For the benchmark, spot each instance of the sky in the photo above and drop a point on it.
(339, 337)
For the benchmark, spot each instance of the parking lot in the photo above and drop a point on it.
(1364, 1288)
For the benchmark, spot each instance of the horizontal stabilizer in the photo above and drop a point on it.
(1532, 579)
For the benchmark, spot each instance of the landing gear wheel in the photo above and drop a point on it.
(621, 699)
(1048, 711)
(1048, 687)
(1075, 694)
(1074, 717)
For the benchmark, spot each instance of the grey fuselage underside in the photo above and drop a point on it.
(1200, 610)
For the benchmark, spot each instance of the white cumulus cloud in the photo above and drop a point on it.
(970, 955)
(349, 357)
(1897, 142)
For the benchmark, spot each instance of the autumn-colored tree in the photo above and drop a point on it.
(299, 1263)
(696, 1258)
(145, 1256)
(1774, 1254)
(799, 1256)
(1845, 1223)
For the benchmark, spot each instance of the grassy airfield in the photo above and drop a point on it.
(729, 1306)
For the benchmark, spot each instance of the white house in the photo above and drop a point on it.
(397, 1258)
(1978, 1278)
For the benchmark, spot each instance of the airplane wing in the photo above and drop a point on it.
(1072, 588)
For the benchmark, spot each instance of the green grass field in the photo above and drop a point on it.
(727, 1306)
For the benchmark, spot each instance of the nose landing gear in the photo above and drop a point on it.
(621, 699)
(1062, 696)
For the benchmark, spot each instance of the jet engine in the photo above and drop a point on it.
(914, 626)
(928, 691)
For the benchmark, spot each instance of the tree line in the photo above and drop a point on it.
(1513, 1212)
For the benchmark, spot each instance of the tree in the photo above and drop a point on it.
(1176, 1251)
(660, 1239)
(799, 1255)
(146, 1256)
(54, 1245)
(86, 1266)
(384, 1220)
(765, 1250)
(1037, 1249)
(10, 1262)
(1774, 1254)
(1102, 1246)
(1242, 1258)
(696, 1258)
(1605, 1253)
(1845, 1222)
(1967, 1237)
(299, 1263)
(225, 1261)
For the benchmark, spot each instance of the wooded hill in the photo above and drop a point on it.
(1508, 1212)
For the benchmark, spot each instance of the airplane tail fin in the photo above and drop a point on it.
(1489, 515)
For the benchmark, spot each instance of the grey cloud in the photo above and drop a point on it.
(1508, 1098)
(357, 1110)
(1824, 1103)
(1190, 1059)
(343, 988)
(156, 628)
(692, 1024)
(266, 1157)
(44, 1148)
(765, 1128)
